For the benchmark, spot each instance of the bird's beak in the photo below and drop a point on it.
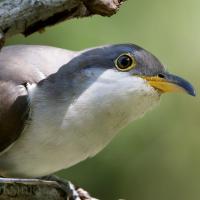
(166, 82)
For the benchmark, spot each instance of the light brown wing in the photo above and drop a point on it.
(14, 109)
(20, 65)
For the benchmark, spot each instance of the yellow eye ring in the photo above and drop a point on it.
(125, 62)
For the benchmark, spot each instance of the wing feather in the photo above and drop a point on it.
(19, 65)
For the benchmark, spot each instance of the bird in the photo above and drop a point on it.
(59, 107)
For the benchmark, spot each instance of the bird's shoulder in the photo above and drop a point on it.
(21, 65)
(14, 109)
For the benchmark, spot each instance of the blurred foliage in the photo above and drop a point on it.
(157, 157)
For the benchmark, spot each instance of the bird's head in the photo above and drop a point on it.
(134, 63)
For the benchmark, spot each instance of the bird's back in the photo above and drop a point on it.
(31, 63)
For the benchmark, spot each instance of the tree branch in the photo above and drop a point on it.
(29, 16)
(31, 190)
(36, 189)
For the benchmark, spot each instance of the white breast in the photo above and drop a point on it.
(60, 136)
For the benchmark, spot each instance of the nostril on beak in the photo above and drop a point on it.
(161, 76)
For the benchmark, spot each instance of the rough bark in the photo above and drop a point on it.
(29, 16)
(30, 190)
(35, 189)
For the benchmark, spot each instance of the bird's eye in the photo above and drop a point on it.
(125, 62)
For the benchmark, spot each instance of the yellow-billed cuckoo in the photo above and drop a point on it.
(59, 107)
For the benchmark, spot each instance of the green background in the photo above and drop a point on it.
(156, 157)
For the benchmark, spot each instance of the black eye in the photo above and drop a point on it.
(125, 62)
